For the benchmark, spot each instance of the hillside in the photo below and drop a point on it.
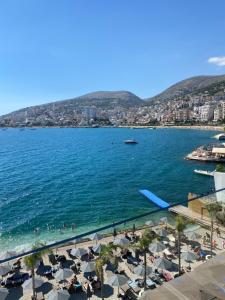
(187, 86)
(63, 112)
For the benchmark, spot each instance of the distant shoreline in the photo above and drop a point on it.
(197, 127)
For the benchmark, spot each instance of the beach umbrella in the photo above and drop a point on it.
(133, 229)
(150, 223)
(161, 232)
(7, 254)
(3, 293)
(97, 248)
(117, 280)
(78, 252)
(121, 241)
(157, 247)
(162, 263)
(140, 270)
(163, 220)
(4, 269)
(63, 274)
(188, 256)
(193, 236)
(58, 295)
(95, 237)
(88, 267)
(28, 284)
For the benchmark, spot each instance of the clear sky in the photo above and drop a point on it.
(59, 49)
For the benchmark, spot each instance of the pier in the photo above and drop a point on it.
(191, 215)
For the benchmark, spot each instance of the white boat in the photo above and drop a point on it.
(204, 172)
(131, 141)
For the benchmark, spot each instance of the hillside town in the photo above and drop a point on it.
(203, 107)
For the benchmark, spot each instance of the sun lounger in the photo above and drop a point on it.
(134, 286)
(130, 267)
(151, 284)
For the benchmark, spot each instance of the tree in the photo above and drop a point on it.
(220, 168)
(143, 245)
(106, 255)
(31, 262)
(213, 208)
(180, 226)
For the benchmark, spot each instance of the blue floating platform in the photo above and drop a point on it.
(153, 198)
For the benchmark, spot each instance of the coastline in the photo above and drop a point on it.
(195, 127)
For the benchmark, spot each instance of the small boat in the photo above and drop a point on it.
(132, 141)
(204, 172)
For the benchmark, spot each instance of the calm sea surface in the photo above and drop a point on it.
(89, 177)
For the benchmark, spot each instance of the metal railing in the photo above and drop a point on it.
(112, 225)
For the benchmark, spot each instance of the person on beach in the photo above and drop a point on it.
(218, 232)
(223, 244)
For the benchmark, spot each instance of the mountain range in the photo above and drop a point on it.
(108, 100)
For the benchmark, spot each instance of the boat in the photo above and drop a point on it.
(204, 172)
(220, 137)
(131, 141)
(151, 127)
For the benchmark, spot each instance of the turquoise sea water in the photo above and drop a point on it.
(89, 177)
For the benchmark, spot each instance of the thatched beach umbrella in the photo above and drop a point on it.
(157, 247)
(3, 293)
(79, 252)
(162, 263)
(140, 270)
(28, 284)
(88, 267)
(121, 241)
(117, 280)
(58, 295)
(63, 274)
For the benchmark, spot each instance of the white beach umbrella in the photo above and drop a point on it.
(157, 247)
(5, 269)
(97, 248)
(117, 280)
(63, 274)
(140, 270)
(78, 252)
(95, 237)
(121, 241)
(162, 263)
(7, 254)
(3, 293)
(193, 236)
(28, 284)
(163, 220)
(88, 266)
(188, 256)
(150, 223)
(58, 295)
(161, 232)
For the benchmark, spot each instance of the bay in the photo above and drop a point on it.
(56, 177)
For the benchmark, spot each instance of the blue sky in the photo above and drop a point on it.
(52, 50)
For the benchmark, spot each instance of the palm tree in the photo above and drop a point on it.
(213, 209)
(180, 226)
(31, 262)
(143, 245)
(105, 256)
